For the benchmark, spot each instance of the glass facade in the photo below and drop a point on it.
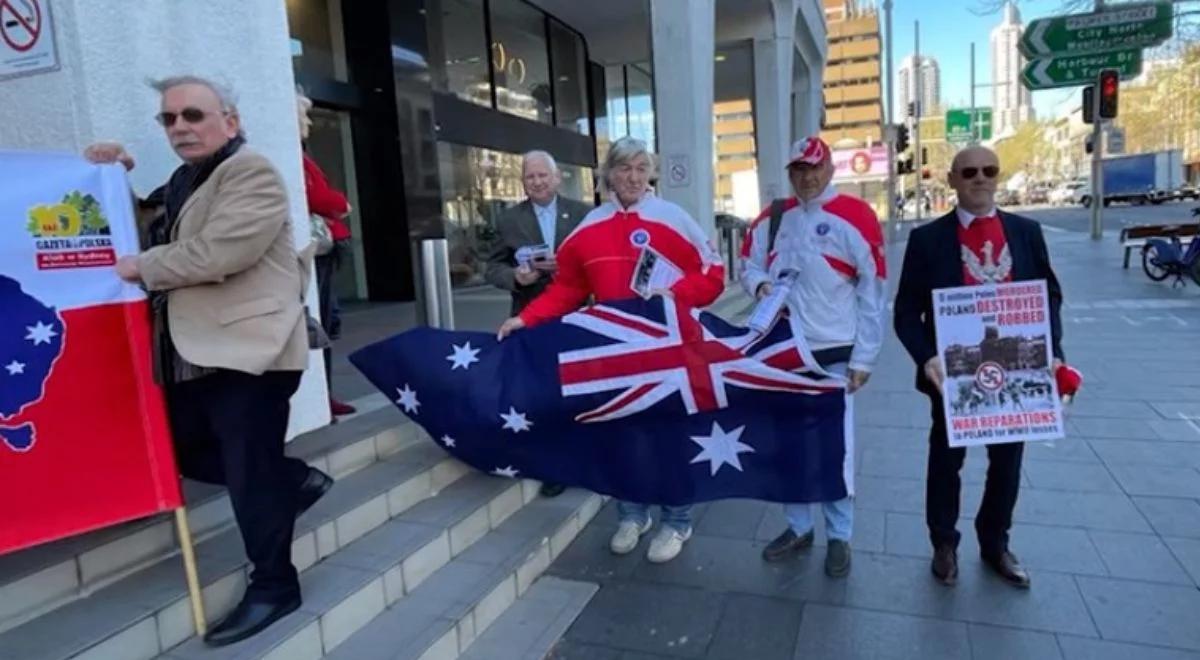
(318, 49)
(520, 60)
(630, 106)
(477, 186)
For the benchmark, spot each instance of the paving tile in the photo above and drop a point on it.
(1103, 511)
(647, 618)
(1158, 480)
(1148, 452)
(1072, 449)
(1177, 430)
(1038, 546)
(728, 565)
(1171, 516)
(755, 627)
(1138, 557)
(1117, 409)
(530, 628)
(890, 494)
(737, 519)
(1142, 612)
(1127, 429)
(1187, 551)
(992, 643)
(901, 584)
(837, 633)
(568, 649)
(1079, 648)
(589, 559)
(1069, 476)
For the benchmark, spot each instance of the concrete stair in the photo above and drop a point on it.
(401, 516)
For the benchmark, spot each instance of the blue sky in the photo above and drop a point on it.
(947, 29)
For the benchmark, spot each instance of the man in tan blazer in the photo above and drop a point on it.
(544, 218)
(231, 339)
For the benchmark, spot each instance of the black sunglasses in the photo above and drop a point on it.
(990, 171)
(190, 115)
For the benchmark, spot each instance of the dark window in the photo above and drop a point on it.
(458, 42)
(570, 78)
(519, 60)
(317, 50)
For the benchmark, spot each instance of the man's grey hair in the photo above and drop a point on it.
(623, 151)
(536, 154)
(223, 92)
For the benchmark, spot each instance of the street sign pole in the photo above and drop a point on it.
(971, 120)
(917, 200)
(892, 229)
(1097, 172)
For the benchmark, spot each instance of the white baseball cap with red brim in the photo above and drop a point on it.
(810, 150)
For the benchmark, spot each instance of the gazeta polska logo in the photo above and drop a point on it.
(72, 233)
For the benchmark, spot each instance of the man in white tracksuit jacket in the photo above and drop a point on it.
(834, 243)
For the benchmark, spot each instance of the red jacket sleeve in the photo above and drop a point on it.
(322, 198)
(700, 287)
(569, 289)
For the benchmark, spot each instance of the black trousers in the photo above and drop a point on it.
(326, 298)
(943, 487)
(229, 429)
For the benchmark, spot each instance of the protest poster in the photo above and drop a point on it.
(994, 343)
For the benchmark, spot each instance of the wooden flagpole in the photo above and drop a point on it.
(189, 569)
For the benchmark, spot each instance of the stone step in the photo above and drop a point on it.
(148, 612)
(534, 624)
(40, 579)
(445, 614)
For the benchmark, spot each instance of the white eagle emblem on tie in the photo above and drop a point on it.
(988, 269)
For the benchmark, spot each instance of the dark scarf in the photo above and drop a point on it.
(182, 184)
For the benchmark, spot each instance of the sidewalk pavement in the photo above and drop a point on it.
(1108, 521)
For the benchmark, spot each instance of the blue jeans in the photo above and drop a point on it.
(677, 517)
(839, 518)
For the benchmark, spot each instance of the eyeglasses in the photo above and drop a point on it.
(989, 171)
(190, 115)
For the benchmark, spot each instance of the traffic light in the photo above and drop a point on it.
(1110, 84)
(912, 110)
(1087, 145)
(924, 156)
(1089, 103)
(901, 138)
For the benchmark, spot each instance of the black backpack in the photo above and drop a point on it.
(776, 218)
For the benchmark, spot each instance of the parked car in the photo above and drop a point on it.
(1065, 194)
(1036, 195)
(1006, 197)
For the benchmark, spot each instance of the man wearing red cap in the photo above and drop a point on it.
(834, 244)
(973, 244)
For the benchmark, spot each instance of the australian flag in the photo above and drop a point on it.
(644, 400)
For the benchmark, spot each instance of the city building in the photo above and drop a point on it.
(930, 77)
(1012, 103)
(733, 130)
(853, 96)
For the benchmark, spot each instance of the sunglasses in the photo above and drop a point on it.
(190, 115)
(989, 171)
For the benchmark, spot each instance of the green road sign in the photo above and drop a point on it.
(958, 124)
(1120, 27)
(1071, 70)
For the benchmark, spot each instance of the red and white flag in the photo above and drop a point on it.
(84, 440)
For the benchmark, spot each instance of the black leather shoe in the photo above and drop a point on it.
(315, 485)
(552, 490)
(1009, 569)
(247, 620)
(945, 565)
(786, 545)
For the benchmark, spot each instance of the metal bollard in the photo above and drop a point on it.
(436, 294)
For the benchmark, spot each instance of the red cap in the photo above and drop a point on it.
(811, 150)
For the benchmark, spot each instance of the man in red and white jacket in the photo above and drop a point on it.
(834, 243)
(598, 259)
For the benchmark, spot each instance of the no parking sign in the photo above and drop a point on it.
(26, 38)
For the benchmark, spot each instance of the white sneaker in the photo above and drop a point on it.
(627, 536)
(667, 544)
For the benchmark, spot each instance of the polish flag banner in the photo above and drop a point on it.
(84, 439)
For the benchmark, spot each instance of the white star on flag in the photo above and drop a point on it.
(448, 441)
(509, 472)
(721, 448)
(15, 368)
(463, 356)
(408, 399)
(40, 333)
(515, 421)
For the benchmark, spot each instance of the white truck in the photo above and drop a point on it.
(1153, 177)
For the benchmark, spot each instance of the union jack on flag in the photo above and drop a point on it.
(644, 400)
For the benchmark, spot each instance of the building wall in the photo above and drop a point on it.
(733, 129)
(108, 50)
(931, 87)
(853, 80)
(1012, 103)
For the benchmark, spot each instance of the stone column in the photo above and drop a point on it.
(682, 38)
(108, 50)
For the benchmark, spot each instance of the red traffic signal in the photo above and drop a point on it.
(1109, 88)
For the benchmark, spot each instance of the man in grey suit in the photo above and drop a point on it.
(544, 218)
